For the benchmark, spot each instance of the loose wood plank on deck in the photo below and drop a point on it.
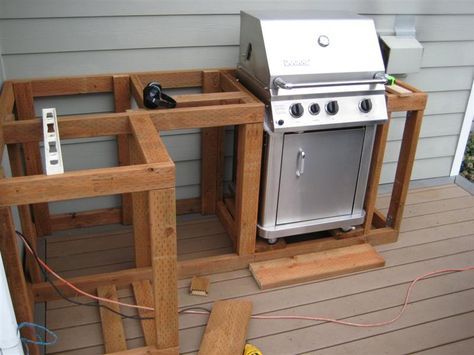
(226, 329)
(112, 326)
(314, 266)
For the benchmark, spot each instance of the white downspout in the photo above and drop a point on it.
(10, 343)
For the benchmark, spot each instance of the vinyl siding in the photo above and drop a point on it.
(47, 38)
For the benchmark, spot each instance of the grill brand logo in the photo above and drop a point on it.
(302, 62)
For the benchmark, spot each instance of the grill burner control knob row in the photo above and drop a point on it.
(314, 109)
(332, 107)
(296, 110)
(365, 105)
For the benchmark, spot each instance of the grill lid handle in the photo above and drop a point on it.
(379, 78)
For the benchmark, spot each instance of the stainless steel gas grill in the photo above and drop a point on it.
(321, 76)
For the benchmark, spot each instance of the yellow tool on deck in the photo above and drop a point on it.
(251, 350)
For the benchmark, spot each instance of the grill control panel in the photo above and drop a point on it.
(324, 113)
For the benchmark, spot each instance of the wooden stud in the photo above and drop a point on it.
(112, 326)
(144, 297)
(226, 219)
(226, 329)
(25, 109)
(107, 124)
(24, 211)
(86, 183)
(406, 159)
(122, 97)
(375, 171)
(162, 219)
(379, 220)
(210, 150)
(19, 288)
(249, 149)
(74, 220)
(90, 84)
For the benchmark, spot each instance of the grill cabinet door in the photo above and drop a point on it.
(326, 187)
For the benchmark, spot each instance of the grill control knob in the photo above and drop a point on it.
(332, 107)
(365, 105)
(296, 110)
(314, 109)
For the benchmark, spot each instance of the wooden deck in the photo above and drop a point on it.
(437, 232)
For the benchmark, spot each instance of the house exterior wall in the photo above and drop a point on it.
(47, 38)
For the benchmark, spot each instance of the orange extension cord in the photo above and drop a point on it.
(309, 318)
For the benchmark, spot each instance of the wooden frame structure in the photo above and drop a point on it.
(146, 180)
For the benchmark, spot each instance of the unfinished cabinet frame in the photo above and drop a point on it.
(146, 180)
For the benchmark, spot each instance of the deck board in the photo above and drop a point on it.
(437, 232)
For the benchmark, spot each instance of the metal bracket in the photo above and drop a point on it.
(52, 145)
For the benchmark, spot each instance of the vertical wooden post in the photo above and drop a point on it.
(406, 158)
(19, 289)
(162, 205)
(26, 110)
(122, 97)
(249, 151)
(212, 154)
(375, 171)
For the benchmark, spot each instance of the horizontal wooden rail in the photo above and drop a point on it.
(108, 124)
(86, 183)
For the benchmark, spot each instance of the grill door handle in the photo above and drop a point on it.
(281, 83)
(300, 162)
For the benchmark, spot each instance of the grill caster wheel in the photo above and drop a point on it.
(347, 229)
(272, 241)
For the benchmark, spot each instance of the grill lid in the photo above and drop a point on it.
(309, 47)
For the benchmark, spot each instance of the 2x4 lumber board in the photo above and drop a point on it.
(122, 103)
(73, 85)
(109, 124)
(43, 292)
(137, 90)
(141, 225)
(226, 219)
(149, 144)
(7, 99)
(87, 183)
(315, 266)
(226, 330)
(207, 99)
(210, 140)
(230, 83)
(74, 220)
(375, 172)
(112, 326)
(26, 110)
(249, 149)
(26, 219)
(144, 297)
(162, 219)
(188, 205)
(416, 101)
(379, 220)
(19, 289)
(406, 159)
(149, 350)
(173, 79)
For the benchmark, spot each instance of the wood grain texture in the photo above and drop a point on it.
(86, 183)
(404, 168)
(26, 111)
(210, 150)
(226, 330)
(315, 266)
(72, 85)
(249, 152)
(19, 288)
(143, 292)
(149, 350)
(162, 219)
(376, 164)
(64, 221)
(107, 124)
(122, 103)
(112, 326)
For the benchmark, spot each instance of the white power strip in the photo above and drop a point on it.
(52, 145)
